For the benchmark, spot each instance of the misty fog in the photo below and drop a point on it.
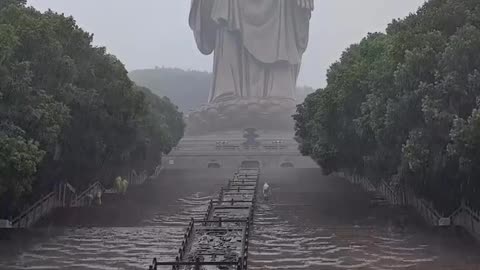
(149, 33)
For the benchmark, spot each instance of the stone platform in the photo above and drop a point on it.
(272, 113)
(269, 149)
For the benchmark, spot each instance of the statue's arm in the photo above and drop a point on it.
(204, 28)
(302, 15)
(307, 4)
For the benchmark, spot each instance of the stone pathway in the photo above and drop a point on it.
(220, 240)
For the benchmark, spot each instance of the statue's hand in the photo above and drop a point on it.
(308, 4)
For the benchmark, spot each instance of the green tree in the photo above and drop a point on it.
(402, 105)
(68, 110)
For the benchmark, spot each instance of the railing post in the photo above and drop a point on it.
(47, 204)
(57, 192)
(34, 214)
(42, 207)
(154, 264)
(197, 263)
(30, 219)
(472, 223)
(64, 195)
(177, 260)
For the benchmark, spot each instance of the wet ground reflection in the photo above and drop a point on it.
(117, 247)
(286, 243)
(313, 222)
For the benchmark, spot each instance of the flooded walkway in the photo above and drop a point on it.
(287, 243)
(329, 225)
(119, 244)
(311, 222)
(220, 240)
(113, 247)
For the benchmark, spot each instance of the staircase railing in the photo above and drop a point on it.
(37, 211)
(86, 197)
(464, 216)
(474, 213)
(467, 218)
(57, 199)
(355, 179)
(190, 257)
(426, 210)
(138, 179)
(391, 195)
(158, 170)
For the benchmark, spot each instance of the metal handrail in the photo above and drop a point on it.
(158, 170)
(232, 220)
(388, 192)
(422, 206)
(464, 208)
(234, 201)
(197, 263)
(179, 263)
(471, 212)
(53, 200)
(209, 210)
(138, 179)
(86, 192)
(209, 222)
(90, 188)
(16, 222)
(239, 189)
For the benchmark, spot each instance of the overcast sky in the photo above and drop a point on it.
(148, 33)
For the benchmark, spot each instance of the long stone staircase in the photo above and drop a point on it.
(221, 239)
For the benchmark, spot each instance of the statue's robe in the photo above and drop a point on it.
(257, 44)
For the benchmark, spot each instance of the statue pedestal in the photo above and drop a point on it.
(238, 132)
(232, 149)
(239, 113)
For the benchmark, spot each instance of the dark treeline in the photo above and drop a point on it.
(404, 106)
(68, 111)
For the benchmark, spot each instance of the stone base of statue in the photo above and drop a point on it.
(239, 113)
(239, 132)
(229, 150)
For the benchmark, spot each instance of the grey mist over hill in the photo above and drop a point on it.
(188, 89)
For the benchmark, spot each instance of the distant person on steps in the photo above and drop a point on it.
(266, 191)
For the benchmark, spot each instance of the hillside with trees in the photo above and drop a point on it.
(404, 106)
(68, 111)
(187, 88)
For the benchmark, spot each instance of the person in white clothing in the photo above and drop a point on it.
(266, 191)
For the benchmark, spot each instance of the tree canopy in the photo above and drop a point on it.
(404, 105)
(68, 111)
